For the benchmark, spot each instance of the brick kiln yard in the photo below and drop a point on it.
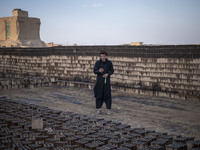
(166, 115)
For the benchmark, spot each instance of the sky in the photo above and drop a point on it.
(112, 22)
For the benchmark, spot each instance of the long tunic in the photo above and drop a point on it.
(102, 89)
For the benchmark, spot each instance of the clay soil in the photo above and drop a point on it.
(172, 116)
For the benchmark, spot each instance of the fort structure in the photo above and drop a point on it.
(20, 30)
(169, 71)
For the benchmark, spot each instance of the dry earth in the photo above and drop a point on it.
(172, 116)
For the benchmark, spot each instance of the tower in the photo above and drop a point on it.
(20, 30)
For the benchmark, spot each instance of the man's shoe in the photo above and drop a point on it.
(109, 112)
(98, 112)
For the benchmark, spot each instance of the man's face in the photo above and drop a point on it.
(103, 57)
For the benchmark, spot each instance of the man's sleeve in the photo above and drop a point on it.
(96, 69)
(111, 69)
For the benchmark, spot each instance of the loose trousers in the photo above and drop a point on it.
(107, 100)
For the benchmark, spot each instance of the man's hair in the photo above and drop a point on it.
(103, 52)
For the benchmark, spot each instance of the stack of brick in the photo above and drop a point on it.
(171, 71)
(27, 82)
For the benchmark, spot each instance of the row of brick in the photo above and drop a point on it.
(172, 63)
(68, 130)
(162, 51)
(126, 81)
(140, 89)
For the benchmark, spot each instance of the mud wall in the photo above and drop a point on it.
(171, 71)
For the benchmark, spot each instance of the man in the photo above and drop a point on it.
(102, 90)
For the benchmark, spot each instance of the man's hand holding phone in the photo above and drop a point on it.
(101, 70)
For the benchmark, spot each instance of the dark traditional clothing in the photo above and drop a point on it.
(102, 89)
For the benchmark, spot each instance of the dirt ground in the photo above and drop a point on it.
(172, 116)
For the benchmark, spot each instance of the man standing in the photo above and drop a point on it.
(102, 90)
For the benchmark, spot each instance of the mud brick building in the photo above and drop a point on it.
(20, 30)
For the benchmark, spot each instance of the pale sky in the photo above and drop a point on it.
(112, 22)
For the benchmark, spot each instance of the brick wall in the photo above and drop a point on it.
(172, 71)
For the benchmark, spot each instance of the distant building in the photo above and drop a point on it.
(51, 44)
(136, 43)
(20, 30)
(133, 44)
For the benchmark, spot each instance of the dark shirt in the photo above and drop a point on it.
(107, 66)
